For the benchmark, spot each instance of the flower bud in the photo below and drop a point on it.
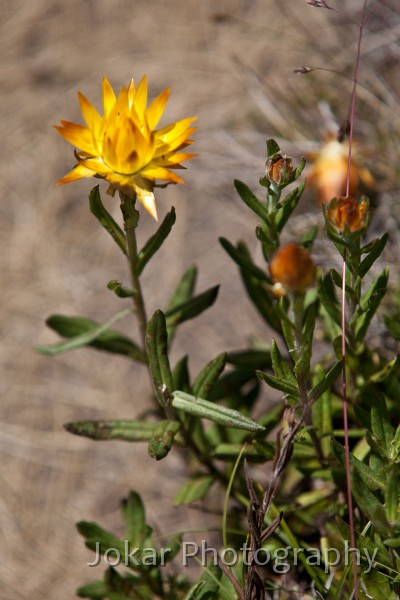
(348, 213)
(292, 269)
(328, 175)
(278, 169)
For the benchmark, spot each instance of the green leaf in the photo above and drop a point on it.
(277, 383)
(206, 588)
(287, 206)
(369, 305)
(120, 290)
(257, 451)
(393, 325)
(106, 220)
(157, 353)
(183, 292)
(375, 249)
(97, 590)
(280, 366)
(194, 489)
(302, 365)
(208, 376)
(371, 479)
(327, 382)
(370, 505)
(191, 308)
(129, 431)
(85, 332)
(180, 374)
(328, 299)
(198, 407)
(163, 438)
(97, 538)
(381, 426)
(134, 519)
(251, 200)
(389, 369)
(308, 238)
(156, 240)
(250, 359)
(392, 495)
(338, 281)
(243, 260)
(272, 147)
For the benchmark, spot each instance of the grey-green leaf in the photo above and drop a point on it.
(106, 220)
(198, 407)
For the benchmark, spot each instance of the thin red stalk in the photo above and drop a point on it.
(344, 380)
(353, 95)
(346, 426)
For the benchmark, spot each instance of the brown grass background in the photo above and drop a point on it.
(231, 64)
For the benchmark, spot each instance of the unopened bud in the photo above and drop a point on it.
(292, 269)
(279, 169)
(348, 213)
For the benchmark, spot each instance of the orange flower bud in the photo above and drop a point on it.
(329, 171)
(279, 169)
(292, 269)
(348, 213)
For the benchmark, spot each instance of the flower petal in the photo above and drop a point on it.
(77, 135)
(90, 114)
(156, 108)
(109, 97)
(77, 172)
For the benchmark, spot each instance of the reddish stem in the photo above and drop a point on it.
(344, 380)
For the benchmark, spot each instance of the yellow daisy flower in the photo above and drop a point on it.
(123, 146)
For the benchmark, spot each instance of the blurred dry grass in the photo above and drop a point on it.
(231, 64)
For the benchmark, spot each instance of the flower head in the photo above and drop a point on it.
(329, 172)
(124, 147)
(292, 269)
(279, 169)
(348, 213)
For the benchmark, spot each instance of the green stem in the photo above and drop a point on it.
(131, 219)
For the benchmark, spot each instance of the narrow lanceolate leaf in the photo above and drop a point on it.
(198, 407)
(191, 308)
(327, 381)
(382, 429)
(157, 354)
(370, 505)
(106, 220)
(250, 359)
(372, 479)
(251, 200)
(369, 304)
(287, 206)
(208, 376)
(85, 332)
(392, 494)
(375, 249)
(156, 240)
(97, 538)
(256, 452)
(207, 586)
(280, 366)
(183, 292)
(329, 300)
(243, 260)
(129, 431)
(194, 489)
(120, 290)
(134, 519)
(272, 147)
(278, 384)
(180, 375)
(162, 439)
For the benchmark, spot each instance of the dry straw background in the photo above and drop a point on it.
(231, 64)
